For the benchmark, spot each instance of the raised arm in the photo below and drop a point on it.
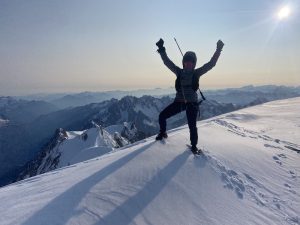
(208, 66)
(162, 51)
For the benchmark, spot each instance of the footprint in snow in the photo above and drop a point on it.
(252, 137)
(292, 148)
(230, 178)
(295, 219)
(257, 191)
(237, 133)
(293, 174)
(272, 146)
(277, 160)
(232, 181)
(289, 187)
(265, 137)
(292, 191)
(282, 156)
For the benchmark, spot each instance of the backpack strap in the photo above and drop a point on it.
(195, 86)
(202, 96)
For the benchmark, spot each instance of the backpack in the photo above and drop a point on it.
(195, 85)
(195, 82)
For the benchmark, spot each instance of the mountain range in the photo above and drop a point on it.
(240, 96)
(27, 127)
(21, 143)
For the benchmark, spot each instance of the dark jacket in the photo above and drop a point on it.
(186, 92)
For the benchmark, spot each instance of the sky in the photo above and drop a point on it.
(89, 45)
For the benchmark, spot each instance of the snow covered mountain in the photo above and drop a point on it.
(249, 174)
(251, 95)
(28, 140)
(69, 147)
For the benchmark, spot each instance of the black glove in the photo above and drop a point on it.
(220, 45)
(160, 45)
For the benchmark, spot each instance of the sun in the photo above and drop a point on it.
(284, 12)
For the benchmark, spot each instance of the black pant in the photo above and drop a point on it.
(191, 114)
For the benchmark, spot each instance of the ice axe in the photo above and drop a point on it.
(178, 47)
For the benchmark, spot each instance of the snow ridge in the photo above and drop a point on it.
(70, 147)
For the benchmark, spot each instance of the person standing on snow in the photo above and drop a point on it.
(187, 84)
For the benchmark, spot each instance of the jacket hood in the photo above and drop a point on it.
(189, 56)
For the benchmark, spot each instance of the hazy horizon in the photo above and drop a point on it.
(81, 89)
(172, 89)
(75, 46)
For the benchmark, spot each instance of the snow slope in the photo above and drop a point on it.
(250, 174)
(96, 144)
(70, 147)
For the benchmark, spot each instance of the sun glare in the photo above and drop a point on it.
(284, 12)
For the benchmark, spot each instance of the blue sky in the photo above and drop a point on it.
(64, 45)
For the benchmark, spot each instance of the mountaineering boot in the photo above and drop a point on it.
(161, 136)
(195, 150)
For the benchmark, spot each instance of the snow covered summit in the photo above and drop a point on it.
(70, 147)
(250, 174)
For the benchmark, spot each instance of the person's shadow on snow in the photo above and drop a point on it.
(126, 212)
(64, 205)
(201, 160)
